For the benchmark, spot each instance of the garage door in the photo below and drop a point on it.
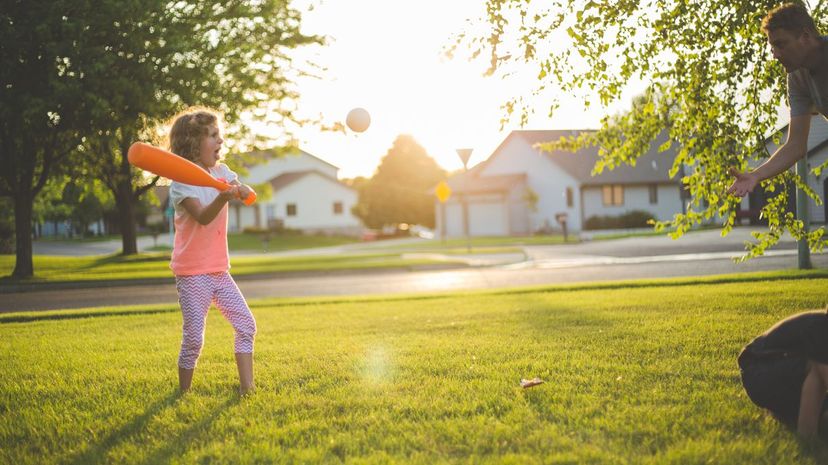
(488, 219)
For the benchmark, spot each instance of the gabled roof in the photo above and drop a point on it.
(285, 179)
(814, 143)
(265, 155)
(651, 167)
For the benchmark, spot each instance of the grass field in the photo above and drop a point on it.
(156, 265)
(641, 375)
(248, 241)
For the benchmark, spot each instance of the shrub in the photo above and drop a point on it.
(631, 219)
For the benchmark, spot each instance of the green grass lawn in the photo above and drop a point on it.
(641, 375)
(245, 241)
(156, 265)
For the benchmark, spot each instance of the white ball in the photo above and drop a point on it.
(358, 120)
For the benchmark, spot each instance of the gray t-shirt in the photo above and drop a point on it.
(808, 88)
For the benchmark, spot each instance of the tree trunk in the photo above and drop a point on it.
(23, 205)
(126, 216)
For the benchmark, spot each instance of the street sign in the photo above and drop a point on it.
(443, 191)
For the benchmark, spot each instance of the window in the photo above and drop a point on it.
(270, 212)
(291, 209)
(613, 195)
(570, 201)
(653, 194)
(337, 208)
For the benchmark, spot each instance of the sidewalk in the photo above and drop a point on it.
(80, 249)
(145, 243)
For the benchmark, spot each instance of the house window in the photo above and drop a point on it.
(570, 201)
(291, 209)
(653, 194)
(337, 208)
(613, 195)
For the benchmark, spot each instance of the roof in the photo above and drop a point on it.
(285, 179)
(651, 167)
(264, 155)
(815, 143)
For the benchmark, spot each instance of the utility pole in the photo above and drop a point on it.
(802, 214)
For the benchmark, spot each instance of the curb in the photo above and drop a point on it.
(94, 284)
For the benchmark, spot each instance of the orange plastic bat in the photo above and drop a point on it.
(171, 166)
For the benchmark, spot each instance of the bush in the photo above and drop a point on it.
(631, 219)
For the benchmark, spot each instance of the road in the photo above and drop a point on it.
(698, 254)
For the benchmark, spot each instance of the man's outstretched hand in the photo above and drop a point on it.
(744, 183)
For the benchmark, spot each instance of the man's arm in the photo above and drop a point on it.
(792, 150)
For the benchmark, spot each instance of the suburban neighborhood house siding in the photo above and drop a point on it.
(636, 197)
(293, 162)
(314, 205)
(517, 156)
(562, 183)
(816, 155)
(306, 183)
(819, 183)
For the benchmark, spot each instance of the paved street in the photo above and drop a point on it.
(697, 254)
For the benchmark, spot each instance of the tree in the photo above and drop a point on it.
(89, 78)
(710, 82)
(227, 55)
(40, 108)
(399, 190)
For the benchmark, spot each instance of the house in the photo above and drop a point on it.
(306, 196)
(520, 189)
(816, 155)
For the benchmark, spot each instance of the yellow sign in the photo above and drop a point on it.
(443, 191)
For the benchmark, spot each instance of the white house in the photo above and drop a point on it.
(306, 195)
(499, 191)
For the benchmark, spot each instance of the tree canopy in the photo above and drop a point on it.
(709, 77)
(86, 79)
(399, 190)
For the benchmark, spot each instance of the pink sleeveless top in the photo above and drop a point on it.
(200, 249)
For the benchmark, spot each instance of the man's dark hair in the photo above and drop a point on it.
(790, 16)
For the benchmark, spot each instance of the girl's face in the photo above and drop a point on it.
(210, 150)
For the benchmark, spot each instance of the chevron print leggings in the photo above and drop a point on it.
(195, 294)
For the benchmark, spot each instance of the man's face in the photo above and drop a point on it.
(788, 48)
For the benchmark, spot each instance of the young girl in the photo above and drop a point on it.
(200, 260)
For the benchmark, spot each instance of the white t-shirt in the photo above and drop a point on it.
(205, 195)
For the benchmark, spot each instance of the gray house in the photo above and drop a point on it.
(519, 189)
(817, 155)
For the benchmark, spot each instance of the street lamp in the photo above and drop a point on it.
(464, 155)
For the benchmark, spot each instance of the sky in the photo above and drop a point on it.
(386, 56)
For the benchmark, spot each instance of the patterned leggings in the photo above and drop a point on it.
(195, 294)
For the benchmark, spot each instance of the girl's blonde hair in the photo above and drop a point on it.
(188, 129)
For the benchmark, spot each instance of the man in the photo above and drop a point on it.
(797, 45)
(786, 369)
